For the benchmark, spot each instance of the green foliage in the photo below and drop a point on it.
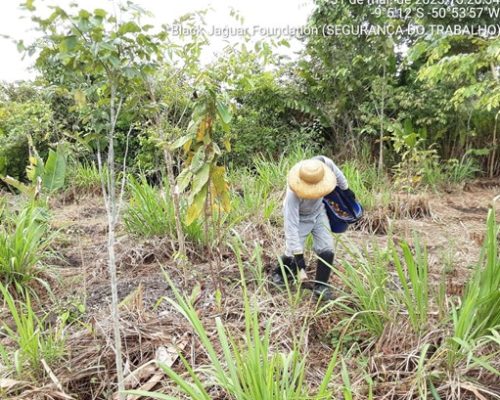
(24, 241)
(270, 121)
(206, 179)
(85, 178)
(478, 313)
(368, 281)
(249, 368)
(151, 213)
(415, 157)
(252, 199)
(458, 172)
(374, 297)
(23, 113)
(33, 340)
(46, 177)
(372, 188)
(415, 282)
(473, 68)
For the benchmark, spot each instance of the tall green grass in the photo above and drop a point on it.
(86, 178)
(479, 311)
(151, 213)
(24, 241)
(413, 273)
(254, 199)
(33, 342)
(272, 174)
(453, 172)
(245, 368)
(371, 188)
(374, 297)
(367, 281)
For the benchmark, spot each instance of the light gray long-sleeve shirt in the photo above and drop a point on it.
(297, 210)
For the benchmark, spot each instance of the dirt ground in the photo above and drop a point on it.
(453, 234)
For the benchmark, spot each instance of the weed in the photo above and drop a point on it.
(414, 281)
(33, 343)
(247, 369)
(372, 189)
(367, 281)
(478, 313)
(151, 213)
(86, 178)
(24, 241)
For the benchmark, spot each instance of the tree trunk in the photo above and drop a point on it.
(174, 193)
(112, 218)
(381, 134)
(494, 148)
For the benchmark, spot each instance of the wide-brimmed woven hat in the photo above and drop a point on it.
(311, 179)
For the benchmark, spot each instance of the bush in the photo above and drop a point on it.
(18, 120)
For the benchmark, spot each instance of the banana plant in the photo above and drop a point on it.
(45, 177)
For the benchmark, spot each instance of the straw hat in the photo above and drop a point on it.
(311, 179)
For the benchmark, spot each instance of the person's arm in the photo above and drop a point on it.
(291, 217)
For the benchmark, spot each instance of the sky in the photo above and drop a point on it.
(261, 17)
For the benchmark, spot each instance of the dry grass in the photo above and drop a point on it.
(392, 361)
(410, 206)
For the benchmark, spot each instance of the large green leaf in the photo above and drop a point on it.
(181, 142)
(55, 169)
(184, 179)
(25, 189)
(200, 179)
(198, 160)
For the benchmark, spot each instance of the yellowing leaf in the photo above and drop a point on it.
(187, 145)
(200, 133)
(80, 99)
(225, 201)
(196, 207)
(218, 180)
(180, 142)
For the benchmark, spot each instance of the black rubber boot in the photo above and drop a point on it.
(290, 268)
(323, 270)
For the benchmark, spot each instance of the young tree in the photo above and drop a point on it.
(105, 62)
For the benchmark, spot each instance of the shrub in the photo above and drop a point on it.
(18, 119)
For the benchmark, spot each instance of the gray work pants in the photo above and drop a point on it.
(320, 230)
